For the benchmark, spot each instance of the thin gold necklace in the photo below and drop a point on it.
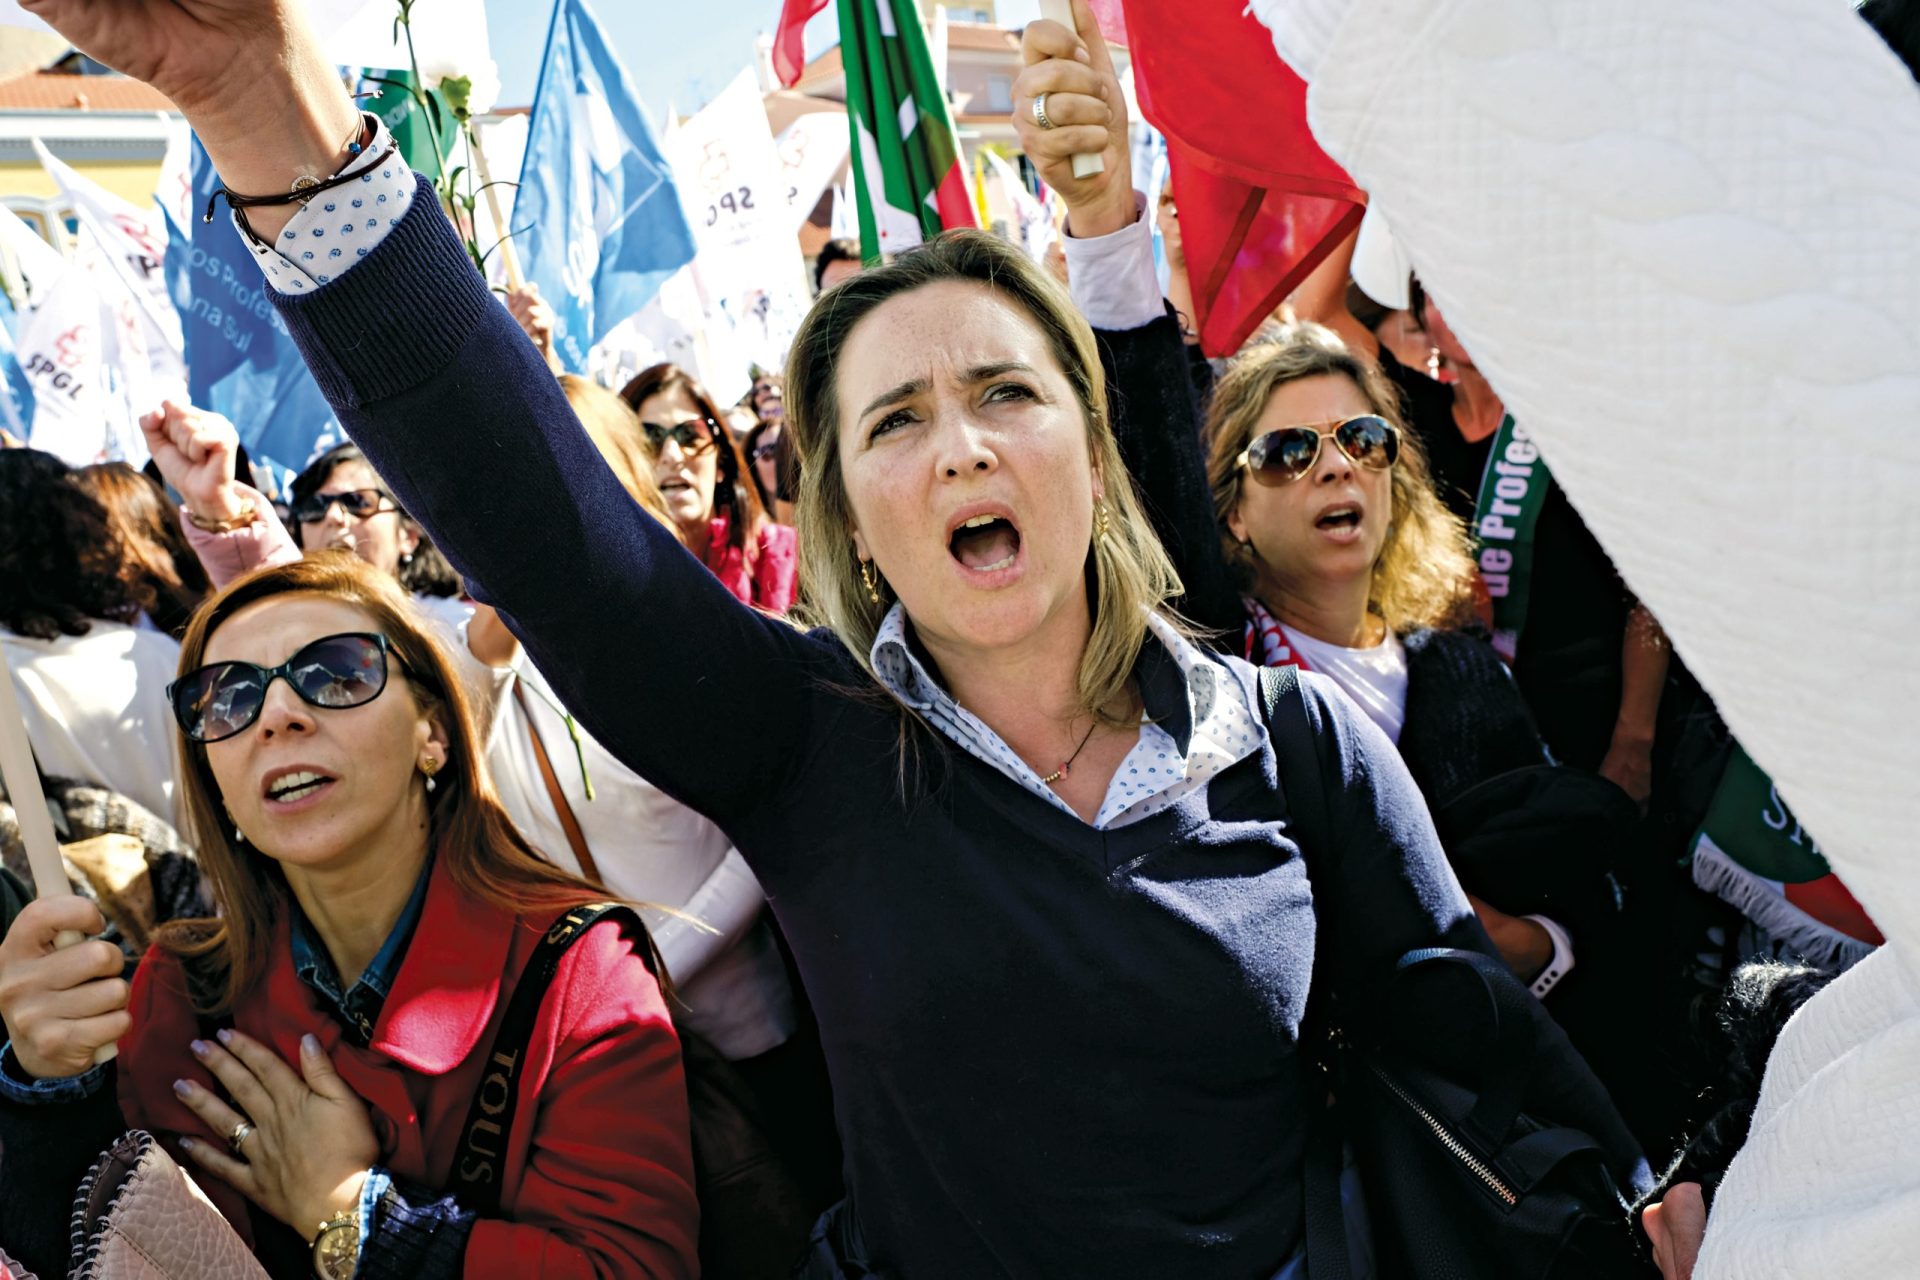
(1066, 766)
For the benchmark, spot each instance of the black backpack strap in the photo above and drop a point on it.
(1303, 783)
(478, 1163)
(1296, 754)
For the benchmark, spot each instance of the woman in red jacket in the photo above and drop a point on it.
(328, 1053)
(710, 492)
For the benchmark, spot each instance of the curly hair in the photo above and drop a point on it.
(1424, 577)
(62, 566)
(150, 534)
(1754, 1009)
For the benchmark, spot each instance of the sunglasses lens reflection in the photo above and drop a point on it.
(1286, 455)
(1369, 441)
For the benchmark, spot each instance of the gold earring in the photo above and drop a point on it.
(871, 579)
(1099, 521)
(430, 766)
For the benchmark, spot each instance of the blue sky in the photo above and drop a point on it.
(679, 52)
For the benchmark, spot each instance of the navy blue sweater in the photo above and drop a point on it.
(1056, 1051)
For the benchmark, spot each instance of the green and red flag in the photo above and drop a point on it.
(908, 178)
(1753, 854)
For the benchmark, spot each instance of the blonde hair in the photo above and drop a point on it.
(615, 431)
(1128, 570)
(1424, 576)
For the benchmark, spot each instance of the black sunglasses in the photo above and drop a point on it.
(695, 435)
(1283, 456)
(223, 698)
(358, 503)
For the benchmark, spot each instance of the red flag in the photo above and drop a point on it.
(789, 42)
(1112, 19)
(1260, 203)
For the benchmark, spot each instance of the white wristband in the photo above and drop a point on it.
(1560, 965)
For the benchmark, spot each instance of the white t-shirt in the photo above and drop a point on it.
(1376, 678)
(96, 708)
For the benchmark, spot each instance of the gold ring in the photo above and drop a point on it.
(237, 1139)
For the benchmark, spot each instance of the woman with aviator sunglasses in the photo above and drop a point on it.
(710, 492)
(314, 1051)
(1312, 536)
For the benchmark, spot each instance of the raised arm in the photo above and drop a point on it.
(1109, 249)
(231, 527)
(1156, 422)
(460, 415)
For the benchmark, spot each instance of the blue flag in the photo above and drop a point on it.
(16, 392)
(241, 361)
(604, 223)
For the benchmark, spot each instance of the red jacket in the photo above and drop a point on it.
(768, 579)
(599, 1166)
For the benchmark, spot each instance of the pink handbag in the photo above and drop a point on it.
(138, 1216)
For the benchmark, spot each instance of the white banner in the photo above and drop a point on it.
(66, 341)
(811, 150)
(749, 270)
(124, 248)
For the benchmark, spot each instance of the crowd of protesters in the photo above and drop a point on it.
(926, 820)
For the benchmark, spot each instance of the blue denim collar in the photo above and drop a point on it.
(358, 1008)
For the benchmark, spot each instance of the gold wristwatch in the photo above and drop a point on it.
(336, 1249)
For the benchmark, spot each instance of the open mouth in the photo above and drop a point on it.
(1338, 519)
(985, 543)
(290, 788)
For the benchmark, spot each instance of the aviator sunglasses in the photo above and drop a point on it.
(695, 435)
(358, 503)
(1283, 456)
(223, 698)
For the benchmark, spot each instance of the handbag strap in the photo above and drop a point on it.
(1503, 1091)
(576, 838)
(478, 1164)
(1303, 786)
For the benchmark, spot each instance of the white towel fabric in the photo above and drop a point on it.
(1682, 237)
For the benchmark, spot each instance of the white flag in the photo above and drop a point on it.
(845, 223)
(1033, 227)
(131, 244)
(811, 150)
(174, 191)
(64, 342)
(748, 266)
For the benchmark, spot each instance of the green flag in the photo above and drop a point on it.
(396, 107)
(907, 176)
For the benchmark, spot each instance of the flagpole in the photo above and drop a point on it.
(512, 260)
(508, 258)
(540, 82)
(1085, 163)
(22, 777)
